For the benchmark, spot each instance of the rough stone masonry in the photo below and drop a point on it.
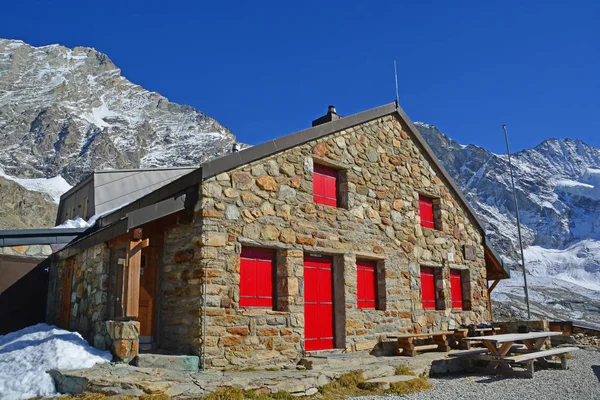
(269, 204)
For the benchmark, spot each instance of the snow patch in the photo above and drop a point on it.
(78, 222)
(26, 355)
(54, 187)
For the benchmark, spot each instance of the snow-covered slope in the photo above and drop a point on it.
(53, 187)
(558, 187)
(69, 111)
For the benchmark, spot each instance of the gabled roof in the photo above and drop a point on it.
(271, 147)
(114, 224)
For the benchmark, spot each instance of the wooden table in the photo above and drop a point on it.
(500, 348)
(462, 333)
(407, 346)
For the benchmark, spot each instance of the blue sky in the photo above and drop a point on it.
(265, 69)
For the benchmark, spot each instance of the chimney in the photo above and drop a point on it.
(330, 116)
(235, 148)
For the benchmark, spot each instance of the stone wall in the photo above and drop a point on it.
(180, 292)
(89, 293)
(269, 204)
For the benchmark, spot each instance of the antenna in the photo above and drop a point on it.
(512, 181)
(396, 77)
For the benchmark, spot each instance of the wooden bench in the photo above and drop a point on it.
(457, 341)
(407, 346)
(483, 352)
(503, 364)
(540, 356)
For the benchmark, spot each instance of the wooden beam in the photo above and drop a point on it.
(493, 286)
(145, 243)
(132, 292)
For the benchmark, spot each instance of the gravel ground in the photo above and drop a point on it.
(580, 381)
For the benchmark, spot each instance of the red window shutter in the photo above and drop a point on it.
(456, 289)
(325, 185)
(365, 274)
(427, 288)
(426, 212)
(256, 278)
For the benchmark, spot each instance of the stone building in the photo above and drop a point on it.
(329, 238)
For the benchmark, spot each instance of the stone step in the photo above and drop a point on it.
(345, 360)
(170, 362)
(383, 383)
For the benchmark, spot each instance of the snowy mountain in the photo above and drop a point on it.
(69, 111)
(558, 189)
(66, 112)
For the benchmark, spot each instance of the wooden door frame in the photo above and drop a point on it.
(153, 252)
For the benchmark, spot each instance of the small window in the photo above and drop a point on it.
(365, 275)
(428, 288)
(456, 288)
(325, 185)
(426, 212)
(256, 277)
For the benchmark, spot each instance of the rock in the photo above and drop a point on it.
(267, 183)
(286, 193)
(320, 149)
(170, 362)
(287, 169)
(384, 382)
(269, 232)
(242, 180)
(232, 213)
(251, 200)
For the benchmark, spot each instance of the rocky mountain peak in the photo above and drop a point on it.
(70, 111)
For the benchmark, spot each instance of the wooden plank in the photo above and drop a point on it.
(513, 337)
(426, 347)
(67, 288)
(540, 354)
(420, 335)
(132, 291)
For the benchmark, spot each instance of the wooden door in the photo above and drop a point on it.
(148, 290)
(318, 303)
(67, 285)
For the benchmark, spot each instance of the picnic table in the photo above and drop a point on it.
(502, 352)
(406, 343)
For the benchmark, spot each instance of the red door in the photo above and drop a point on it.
(318, 303)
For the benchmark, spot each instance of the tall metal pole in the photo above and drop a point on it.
(512, 181)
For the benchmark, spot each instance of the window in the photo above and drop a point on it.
(426, 212)
(256, 277)
(456, 288)
(427, 288)
(365, 275)
(325, 185)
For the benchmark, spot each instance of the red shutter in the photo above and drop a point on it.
(426, 212)
(256, 278)
(456, 289)
(427, 288)
(365, 274)
(325, 185)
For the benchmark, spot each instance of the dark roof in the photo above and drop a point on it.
(38, 236)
